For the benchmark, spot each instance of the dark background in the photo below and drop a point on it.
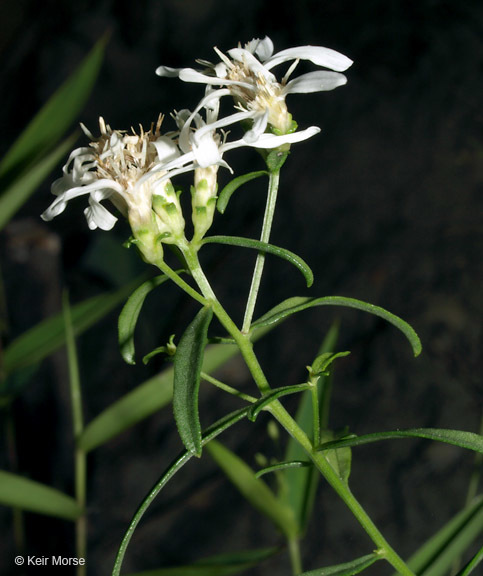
(385, 205)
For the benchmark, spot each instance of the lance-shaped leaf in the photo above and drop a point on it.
(44, 338)
(346, 569)
(227, 192)
(33, 496)
(302, 266)
(188, 361)
(211, 433)
(436, 556)
(130, 313)
(221, 565)
(468, 440)
(297, 304)
(321, 364)
(256, 491)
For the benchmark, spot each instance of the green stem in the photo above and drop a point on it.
(273, 183)
(315, 413)
(295, 560)
(226, 388)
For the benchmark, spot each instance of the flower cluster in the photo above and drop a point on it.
(134, 170)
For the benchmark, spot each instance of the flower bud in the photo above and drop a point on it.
(203, 200)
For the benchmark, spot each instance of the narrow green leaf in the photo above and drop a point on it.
(302, 266)
(227, 192)
(472, 564)
(188, 362)
(300, 486)
(210, 433)
(324, 360)
(57, 115)
(144, 400)
(468, 440)
(347, 569)
(273, 395)
(33, 496)
(253, 489)
(297, 304)
(15, 195)
(282, 466)
(129, 316)
(222, 565)
(436, 556)
(47, 336)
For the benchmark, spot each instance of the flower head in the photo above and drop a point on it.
(128, 169)
(246, 74)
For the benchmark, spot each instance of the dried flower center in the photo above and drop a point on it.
(125, 157)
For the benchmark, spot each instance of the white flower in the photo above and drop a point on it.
(246, 75)
(128, 169)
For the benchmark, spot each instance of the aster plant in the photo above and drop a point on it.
(136, 171)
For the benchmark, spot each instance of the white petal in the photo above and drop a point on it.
(98, 216)
(270, 141)
(206, 151)
(264, 49)
(104, 186)
(166, 149)
(168, 72)
(241, 55)
(259, 126)
(317, 54)
(319, 81)
(190, 75)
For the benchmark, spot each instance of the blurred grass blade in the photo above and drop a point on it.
(347, 569)
(47, 336)
(56, 116)
(436, 556)
(23, 187)
(340, 459)
(300, 486)
(255, 491)
(222, 565)
(472, 564)
(463, 439)
(208, 435)
(188, 362)
(129, 316)
(33, 496)
(294, 259)
(144, 400)
(299, 303)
